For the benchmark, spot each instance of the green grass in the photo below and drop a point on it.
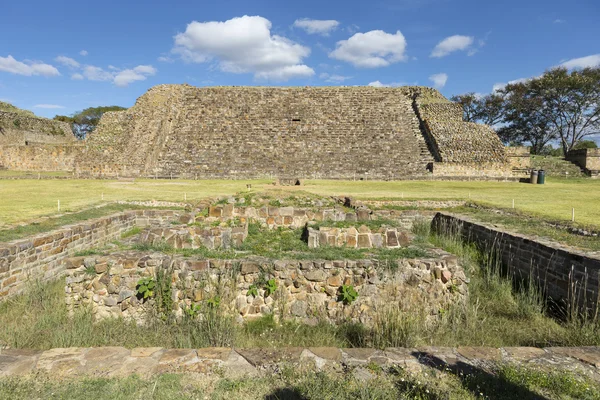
(24, 200)
(525, 224)
(500, 382)
(495, 315)
(286, 244)
(49, 224)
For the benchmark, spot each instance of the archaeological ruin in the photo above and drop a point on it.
(354, 133)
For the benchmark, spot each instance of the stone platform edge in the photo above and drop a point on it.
(149, 361)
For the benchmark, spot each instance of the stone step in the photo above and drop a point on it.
(108, 362)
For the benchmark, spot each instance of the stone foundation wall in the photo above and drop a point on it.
(16, 129)
(362, 238)
(39, 157)
(588, 159)
(288, 217)
(307, 290)
(193, 237)
(567, 275)
(519, 157)
(483, 170)
(41, 256)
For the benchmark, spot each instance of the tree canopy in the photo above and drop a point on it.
(558, 106)
(84, 122)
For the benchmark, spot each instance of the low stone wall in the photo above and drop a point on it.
(193, 237)
(362, 238)
(111, 362)
(519, 157)
(289, 217)
(41, 256)
(568, 276)
(308, 290)
(479, 171)
(39, 157)
(588, 159)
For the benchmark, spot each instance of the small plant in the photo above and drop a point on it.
(214, 302)
(132, 232)
(193, 311)
(347, 294)
(17, 123)
(252, 291)
(145, 288)
(270, 287)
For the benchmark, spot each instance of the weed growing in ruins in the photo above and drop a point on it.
(347, 294)
(252, 291)
(270, 287)
(145, 288)
(132, 232)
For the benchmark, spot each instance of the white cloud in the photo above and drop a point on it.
(139, 73)
(500, 86)
(559, 21)
(83, 53)
(94, 73)
(67, 61)
(371, 49)
(243, 45)
(439, 80)
(118, 77)
(379, 84)
(165, 59)
(333, 78)
(315, 26)
(452, 44)
(28, 68)
(582, 62)
(48, 106)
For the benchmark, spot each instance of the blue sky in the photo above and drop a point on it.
(63, 56)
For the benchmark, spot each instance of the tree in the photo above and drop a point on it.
(486, 109)
(525, 118)
(586, 144)
(84, 122)
(573, 101)
(557, 105)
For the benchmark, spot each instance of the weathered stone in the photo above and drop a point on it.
(299, 308)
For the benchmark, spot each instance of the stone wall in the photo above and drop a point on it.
(194, 237)
(17, 129)
(41, 256)
(39, 157)
(588, 159)
(252, 132)
(308, 290)
(361, 237)
(475, 171)
(454, 141)
(288, 217)
(567, 275)
(519, 158)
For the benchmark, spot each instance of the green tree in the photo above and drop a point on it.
(586, 144)
(558, 105)
(488, 109)
(84, 122)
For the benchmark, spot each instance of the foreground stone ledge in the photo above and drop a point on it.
(145, 362)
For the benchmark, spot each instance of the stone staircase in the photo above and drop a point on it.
(556, 166)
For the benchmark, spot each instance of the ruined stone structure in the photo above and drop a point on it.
(586, 159)
(31, 143)
(289, 133)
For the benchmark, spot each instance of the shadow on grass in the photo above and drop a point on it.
(477, 380)
(285, 394)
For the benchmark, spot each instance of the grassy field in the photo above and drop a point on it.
(500, 382)
(23, 200)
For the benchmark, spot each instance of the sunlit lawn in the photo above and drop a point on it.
(23, 200)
